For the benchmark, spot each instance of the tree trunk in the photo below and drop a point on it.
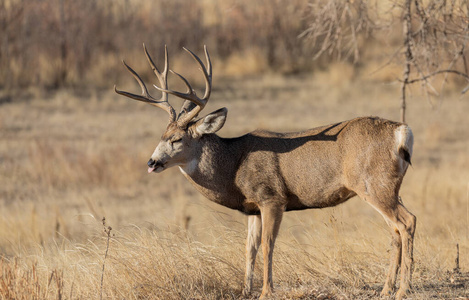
(407, 26)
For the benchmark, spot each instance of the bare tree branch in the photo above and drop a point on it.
(434, 39)
(335, 27)
(436, 73)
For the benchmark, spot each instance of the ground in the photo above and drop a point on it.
(69, 158)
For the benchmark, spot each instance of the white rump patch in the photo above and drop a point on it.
(405, 140)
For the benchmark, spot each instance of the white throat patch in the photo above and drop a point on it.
(189, 168)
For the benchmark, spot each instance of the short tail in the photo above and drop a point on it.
(405, 155)
(405, 142)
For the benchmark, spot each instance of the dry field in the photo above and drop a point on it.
(69, 159)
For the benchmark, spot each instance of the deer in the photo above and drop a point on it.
(263, 174)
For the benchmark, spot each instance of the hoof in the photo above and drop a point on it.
(386, 292)
(266, 295)
(401, 294)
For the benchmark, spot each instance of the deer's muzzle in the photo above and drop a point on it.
(155, 166)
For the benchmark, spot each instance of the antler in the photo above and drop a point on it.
(162, 78)
(194, 104)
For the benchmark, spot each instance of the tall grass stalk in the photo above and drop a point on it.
(107, 231)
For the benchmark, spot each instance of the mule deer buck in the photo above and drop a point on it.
(263, 174)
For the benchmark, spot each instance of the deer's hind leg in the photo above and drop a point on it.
(395, 262)
(402, 223)
(406, 223)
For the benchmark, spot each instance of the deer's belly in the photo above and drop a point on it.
(319, 199)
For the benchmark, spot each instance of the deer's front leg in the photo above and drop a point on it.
(271, 215)
(252, 245)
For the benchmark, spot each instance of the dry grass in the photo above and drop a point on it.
(66, 161)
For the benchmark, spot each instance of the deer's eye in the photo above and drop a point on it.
(176, 140)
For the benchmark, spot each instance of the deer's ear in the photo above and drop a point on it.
(212, 122)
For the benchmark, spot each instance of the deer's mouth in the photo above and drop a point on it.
(156, 169)
(155, 166)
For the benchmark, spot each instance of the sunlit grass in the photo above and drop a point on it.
(67, 162)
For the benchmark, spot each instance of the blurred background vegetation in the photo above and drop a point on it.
(64, 43)
(50, 44)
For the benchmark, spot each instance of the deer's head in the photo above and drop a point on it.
(178, 145)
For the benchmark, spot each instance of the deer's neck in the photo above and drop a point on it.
(212, 170)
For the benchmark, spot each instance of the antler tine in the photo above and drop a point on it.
(146, 97)
(142, 86)
(162, 76)
(191, 95)
(207, 72)
(189, 105)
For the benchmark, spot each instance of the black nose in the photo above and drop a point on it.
(151, 163)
